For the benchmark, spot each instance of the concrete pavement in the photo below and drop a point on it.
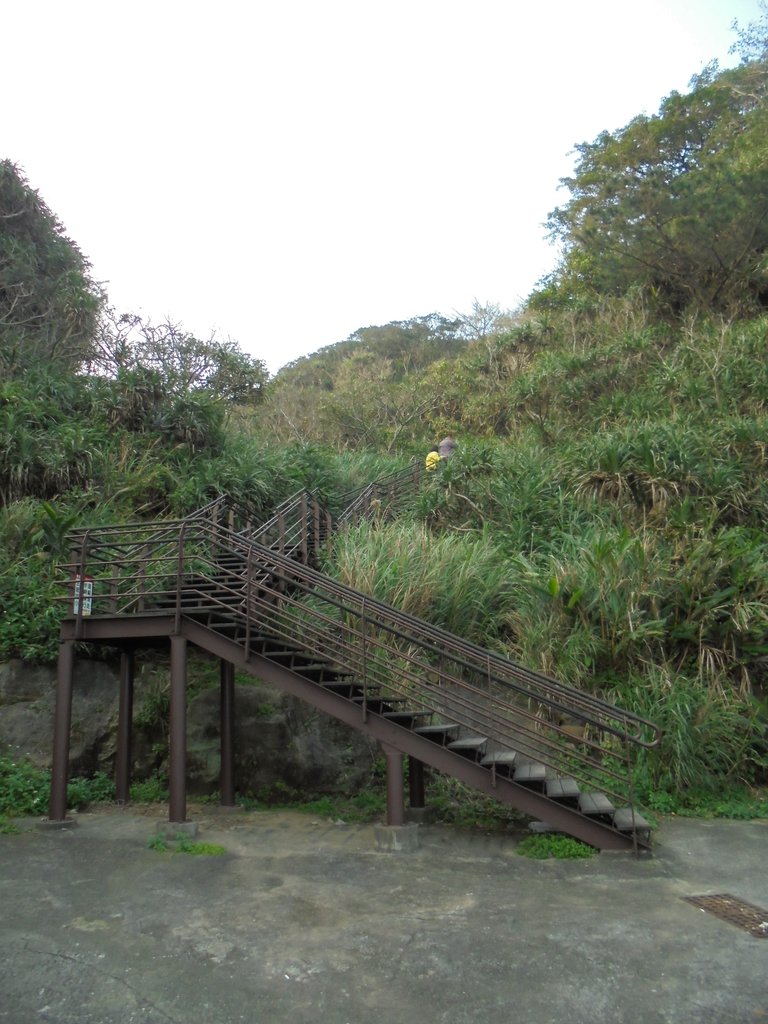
(303, 920)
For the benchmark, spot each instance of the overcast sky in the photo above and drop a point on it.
(282, 173)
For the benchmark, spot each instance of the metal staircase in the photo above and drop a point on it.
(249, 594)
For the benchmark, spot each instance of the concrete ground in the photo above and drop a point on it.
(303, 920)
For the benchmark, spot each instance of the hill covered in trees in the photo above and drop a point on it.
(603, 519)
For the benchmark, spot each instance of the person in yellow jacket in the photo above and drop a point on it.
(432, 460)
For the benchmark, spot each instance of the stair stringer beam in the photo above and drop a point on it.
(505, 790)
(132, 629)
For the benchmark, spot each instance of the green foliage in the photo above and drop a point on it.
(100, 788)
(24, 789)
(710, 735)
(48, 300)
(542, 847)
(463, 807)
(456, 582)
(734, 802)
(366, 806)
(153, 790)
(676, 204)
(184, 844)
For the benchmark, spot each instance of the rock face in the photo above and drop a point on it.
(283, 747)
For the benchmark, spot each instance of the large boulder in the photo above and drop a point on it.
(27, 701)
(283, 747)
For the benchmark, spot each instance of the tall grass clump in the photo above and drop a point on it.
(453, 581)
(712, 738)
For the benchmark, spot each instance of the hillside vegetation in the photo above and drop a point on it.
(603, 519)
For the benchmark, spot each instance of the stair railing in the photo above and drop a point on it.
(139, 569)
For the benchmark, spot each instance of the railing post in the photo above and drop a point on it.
(79, 595)
(304, 527)
(248, 601)
(315, 527)
(179, 576)
(142, 577)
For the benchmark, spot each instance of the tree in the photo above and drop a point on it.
(48, 302)
(677, 204)
(178, 361)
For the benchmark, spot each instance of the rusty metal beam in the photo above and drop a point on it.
(528, 801)
(62, 720)
(395, 779)
(124, 728)
(177, 781)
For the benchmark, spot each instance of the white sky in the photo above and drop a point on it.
(285, 172)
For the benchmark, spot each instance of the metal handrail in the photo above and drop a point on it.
(269, 593)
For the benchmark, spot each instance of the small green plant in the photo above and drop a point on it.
(185, 845)
(7, 827)
(24, 789)
(99, 789)
(557, 846)
(153, 790)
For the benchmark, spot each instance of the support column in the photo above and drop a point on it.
(177, 781)
(395, 836)
(415, 782)
(124, 729)
(395, 780)
(62, 721)
(227, 732)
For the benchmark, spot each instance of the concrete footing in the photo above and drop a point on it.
(171, 829)
(397, 838)
(46, 823)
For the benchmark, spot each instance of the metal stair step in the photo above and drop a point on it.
(377, 705)
(531, 774)
(440, 729)
(625, 819)
(596, 805)
(405, 715)
(344, 687)
(469, 746)
(500, 761)
(565, 790)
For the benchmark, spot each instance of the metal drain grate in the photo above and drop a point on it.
(745, 915)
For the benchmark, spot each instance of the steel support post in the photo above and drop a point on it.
(178, 732)
(395, 780)
(124, 729)
(415, 782)
(62, 720)
(227, 713)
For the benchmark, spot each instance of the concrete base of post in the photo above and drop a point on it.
(171, 829)
(397, 838)
(48, 824)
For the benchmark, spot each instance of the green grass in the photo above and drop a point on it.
(554, 846)
(183, 844)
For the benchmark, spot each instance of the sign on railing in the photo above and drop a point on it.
(84, 589)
